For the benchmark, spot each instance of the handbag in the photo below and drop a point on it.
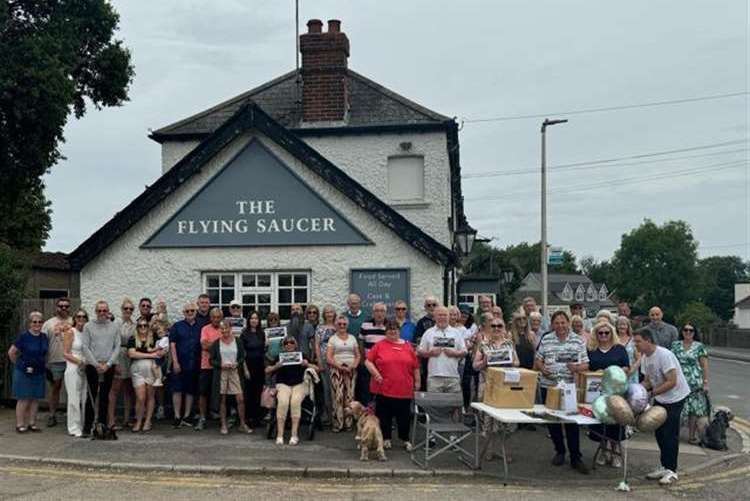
(268, 398)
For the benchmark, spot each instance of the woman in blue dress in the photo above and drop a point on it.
(29, 354)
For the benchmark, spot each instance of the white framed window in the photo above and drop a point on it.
(264, 291)
(472, 299)
(580, 293)
(406, 178)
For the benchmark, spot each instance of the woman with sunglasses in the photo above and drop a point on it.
(343, 358)
(290, 390)
(605, 351)
(121, 382)
(496, 349)
(394, 368)
(693, 358)
(143, 353)
(75, 373)
(29, 355)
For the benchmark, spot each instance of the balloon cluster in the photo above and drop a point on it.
(626, 404)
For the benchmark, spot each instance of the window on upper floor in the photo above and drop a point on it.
(406, 178)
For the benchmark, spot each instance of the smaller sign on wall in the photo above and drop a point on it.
(385, 285)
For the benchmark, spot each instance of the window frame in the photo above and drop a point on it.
(239, 290)
(410, 200)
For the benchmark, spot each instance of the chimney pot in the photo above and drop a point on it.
(334, 26)
(315, 26)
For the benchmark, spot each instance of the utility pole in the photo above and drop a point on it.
(545, 283)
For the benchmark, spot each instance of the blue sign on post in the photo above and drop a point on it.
(555, 255)
(256, 200)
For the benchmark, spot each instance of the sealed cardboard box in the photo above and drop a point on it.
(510, 388)
(590, 386)
(553, 399)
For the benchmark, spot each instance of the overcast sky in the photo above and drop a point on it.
(473, 60)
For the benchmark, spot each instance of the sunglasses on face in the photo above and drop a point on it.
(127, 308)
(603, 333)
(82, 316)
(688, 329)
(143, 326)
(400, 308)
(63, 306)
(37, 321)
(145, 306)
(498, 326)
(289, 343)
(102, 311)
(235, 306)
(431, 305)
(189, 311)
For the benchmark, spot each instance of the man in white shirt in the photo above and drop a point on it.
(666, 382)
(443, 347)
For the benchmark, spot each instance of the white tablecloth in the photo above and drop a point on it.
(518, 416)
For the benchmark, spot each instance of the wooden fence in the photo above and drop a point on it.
(728, 337)
(48, 308)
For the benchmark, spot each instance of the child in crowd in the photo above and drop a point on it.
(160, 328)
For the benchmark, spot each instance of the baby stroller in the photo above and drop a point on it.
(310, 416)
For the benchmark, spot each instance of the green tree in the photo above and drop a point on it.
(597, 271)
(699, 315)
(717, 275)
(13, 274)
(55, 57)
(656, 265)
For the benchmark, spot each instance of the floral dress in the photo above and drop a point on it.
(696, 403)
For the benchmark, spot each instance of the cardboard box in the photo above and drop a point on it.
(510, 388)
(589, 386)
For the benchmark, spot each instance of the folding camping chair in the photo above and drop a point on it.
(432, 412)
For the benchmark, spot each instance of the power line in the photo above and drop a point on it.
(617, 182)
(607, 160)
(607, 108)
(587, 166)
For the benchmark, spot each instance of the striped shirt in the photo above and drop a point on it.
(370, 334)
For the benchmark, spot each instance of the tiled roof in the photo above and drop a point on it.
(371, 104)
(51, 261)
(251, 117)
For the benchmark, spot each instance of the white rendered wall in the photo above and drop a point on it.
(124, 269)
(365, 158)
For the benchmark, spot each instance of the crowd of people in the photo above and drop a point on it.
(212, 368)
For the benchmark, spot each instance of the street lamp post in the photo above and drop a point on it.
(545, 286)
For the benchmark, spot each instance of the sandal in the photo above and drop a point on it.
(21, 429)
(136, 428)
(146, 428)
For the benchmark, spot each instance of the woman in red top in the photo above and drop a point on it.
(393, 365)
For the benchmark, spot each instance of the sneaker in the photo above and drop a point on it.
(279, 440)
(408, 446)
(558, 459)
(293, 441)
(657, 474)
(200, 425)
(160, 413)
(386, 444)
(580, 467)
(184, 423)
(601, 459)
(51, 421)
(176, 422)
(616, 462)
(669, 477)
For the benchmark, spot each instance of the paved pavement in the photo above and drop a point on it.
(729, 385)
(729, 353)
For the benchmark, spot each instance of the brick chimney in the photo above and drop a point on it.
(325, 94)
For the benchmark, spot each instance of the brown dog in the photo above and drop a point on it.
(368, 431)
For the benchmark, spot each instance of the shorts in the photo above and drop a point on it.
(230, 382)
(142, 373)
(56, 371)
(443, 384)
(185, 382)
(206, 382)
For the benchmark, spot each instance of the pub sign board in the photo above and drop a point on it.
(256, 200)
(380, 285)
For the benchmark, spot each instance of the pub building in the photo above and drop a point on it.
(312, 185)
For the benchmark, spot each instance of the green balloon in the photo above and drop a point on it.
(614, 381)
(601, 411)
